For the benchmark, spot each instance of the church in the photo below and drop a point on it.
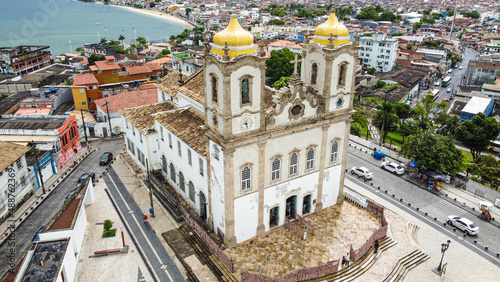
(244, 155)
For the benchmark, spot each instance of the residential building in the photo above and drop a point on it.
(15, 185)
(99, 49)
(23, 59)
(202, 138)
(480, 72)
(475, 106)
(51, 133)
(377, 51)
(282, 44)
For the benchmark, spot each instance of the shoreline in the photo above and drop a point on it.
(156, 14)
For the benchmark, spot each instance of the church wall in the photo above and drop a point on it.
(164, 97)
(246, 213)
(185, 101)
(213, 69)
(135, 139)
(255, 90)
(181, 164)
(331, 185)
(284, 117)
(317, 58)
(217, 189)
(336, 72)
(246, 156)
(276, 195)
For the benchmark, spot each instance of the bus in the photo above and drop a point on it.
(494, 146)
(434, 94)
(446, 81)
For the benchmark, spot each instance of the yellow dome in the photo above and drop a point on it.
(233, 34)
(331, 26)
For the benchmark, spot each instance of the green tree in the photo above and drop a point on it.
(417, 25)
(276, 22)
(476, 134)
(79, 50)
(165, 52)
(141, 40)
(188, 10)
(381, 84)
(369, 13)
(433, 152)
(152, 4)
(488, 168)
(450, 13)
(93, 58)
(371, 70)
(436, 16)
(278, 12)
(279, 65)
(107, 224)
(103, 40)
(69, 81)
(387, 16)
(409, 46)
(356, 129)
(121, 37)
(253, 5)
(472, 14)
(385, 116)
(282, 82)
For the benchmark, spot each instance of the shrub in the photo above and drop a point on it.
(107, 224)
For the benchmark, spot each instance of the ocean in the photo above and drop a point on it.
(65, 25)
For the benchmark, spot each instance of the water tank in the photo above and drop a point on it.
(46, 92)
(52, 90)
(33, 91)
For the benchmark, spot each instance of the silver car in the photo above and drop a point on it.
(363, 172)
(467, 226)
(393, 167)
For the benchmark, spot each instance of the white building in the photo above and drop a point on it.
(378, 52)
(15, 184)
(249, 156)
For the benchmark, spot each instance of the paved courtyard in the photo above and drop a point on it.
(281, 251)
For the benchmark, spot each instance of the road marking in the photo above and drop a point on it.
(137, 222)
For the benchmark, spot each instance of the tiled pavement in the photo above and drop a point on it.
(281, 251)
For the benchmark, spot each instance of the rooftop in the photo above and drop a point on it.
(194, 86)
(187, 124)
(137, 68)
(141, 117)
(46, 261)
(33, 111)
(129, 99)
(105, 65)
(12, 101)
(32, 123)
(10, 153)
(84, 79)
(476, 105)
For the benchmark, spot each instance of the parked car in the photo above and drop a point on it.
(363, 172)
(106, 158)
(393, 167)
(448, 90)
(85, 176)
(460, 67)
(437, 83)
(467, 226)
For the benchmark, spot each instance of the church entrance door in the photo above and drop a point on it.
(306, 206)
(290, 206)
(203, 207)
(274, 217)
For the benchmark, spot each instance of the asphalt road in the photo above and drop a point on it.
(410, 190)
(53, 203)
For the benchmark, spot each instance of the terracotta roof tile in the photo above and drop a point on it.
(128, 99)
(135, 69)
(187, 125)
(10, 153)
(104, 65)
(141, 117)
(84, 79)
(194, 86)
(168, 84)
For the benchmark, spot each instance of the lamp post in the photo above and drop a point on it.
(84, 129)
(32, 144)
(123, 237)
(109, 119)
(150, 191)
(444, 247)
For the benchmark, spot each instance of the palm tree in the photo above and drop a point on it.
(386, 114)
(121, 38)
(103, 40)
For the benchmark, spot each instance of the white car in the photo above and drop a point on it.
(363, 172)
(467, 226)
(393, 167)
(448, 90)
(437, 83)
(460, 67)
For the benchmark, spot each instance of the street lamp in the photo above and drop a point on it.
(444, 247)
(32, 144)
(85, 128)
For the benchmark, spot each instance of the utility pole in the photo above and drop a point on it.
(150, 191)
(84, 130)
(32, 144)
(109, 119)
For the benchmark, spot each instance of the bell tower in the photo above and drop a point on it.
(235, 83)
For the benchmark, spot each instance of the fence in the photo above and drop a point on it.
(294, 228)
(298, 275)
(224, 258)
(307, 225)
(355, 198)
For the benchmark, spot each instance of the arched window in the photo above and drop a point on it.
(164, 165)
(214, 88)
(342, 74)
(314, 73)
(182, 184)
(245, 178)
(275, 172)
(245, 91)
(172, 172)
(191, 192)
(294, 163)
(335, 149)
(310, 159)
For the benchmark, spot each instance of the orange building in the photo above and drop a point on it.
(86, 86)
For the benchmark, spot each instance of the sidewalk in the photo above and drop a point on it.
(38, 197)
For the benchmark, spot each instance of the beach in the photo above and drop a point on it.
(157, 14)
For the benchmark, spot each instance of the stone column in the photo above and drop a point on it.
(229, 237)
(340, 197)
(261, 229)
(322, 160)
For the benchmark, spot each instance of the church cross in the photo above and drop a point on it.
(295, 62)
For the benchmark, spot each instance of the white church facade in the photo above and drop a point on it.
(250, 156)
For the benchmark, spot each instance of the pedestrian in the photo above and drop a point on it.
(145, 219)
(344, 262)
(348, 257)
(376, 246)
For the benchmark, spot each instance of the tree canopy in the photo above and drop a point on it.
(279, 65)
(487, 167)
(93, 58)
(282, 82)
(472, 14)
(369, 13)
(276, 22)
(477, 133)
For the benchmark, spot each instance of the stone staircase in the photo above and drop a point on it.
(405, 264)
(358, 268)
